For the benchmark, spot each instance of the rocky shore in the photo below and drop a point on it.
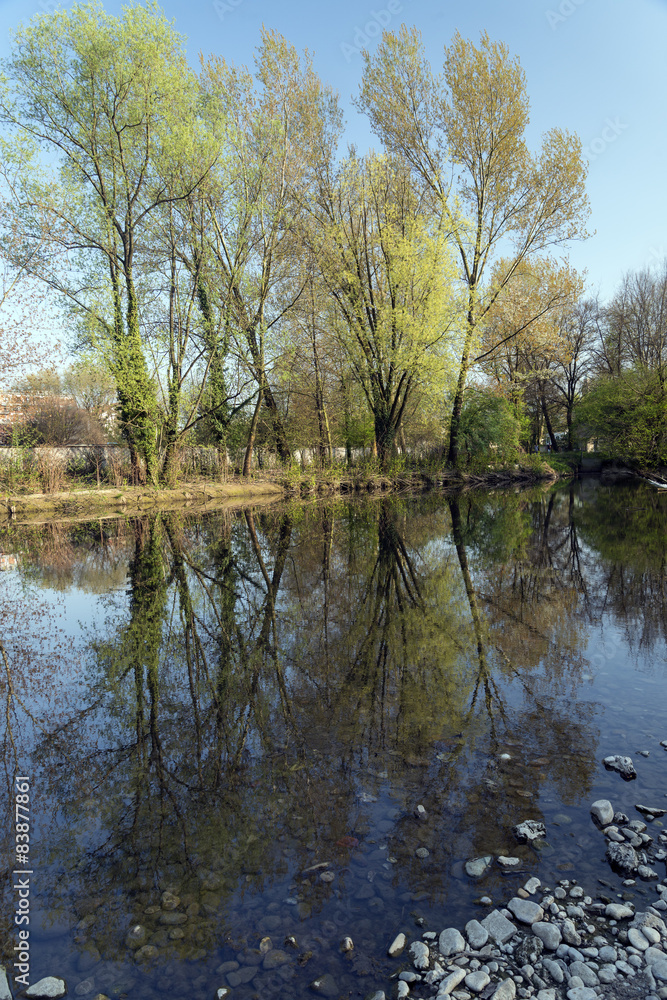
(545, 944)
(552, 943)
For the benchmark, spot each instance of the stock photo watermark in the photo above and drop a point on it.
(224, 7)
(373, 28)
(21, 873)
(565, 9)
(657, 254)
(613, 127)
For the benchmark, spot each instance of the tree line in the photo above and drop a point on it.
(242, 278)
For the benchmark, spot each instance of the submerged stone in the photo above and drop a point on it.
(529, 830)
(47, 989)
(477, 866)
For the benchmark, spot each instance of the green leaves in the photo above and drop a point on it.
(628, 414)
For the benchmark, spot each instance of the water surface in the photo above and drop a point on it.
(245, 711)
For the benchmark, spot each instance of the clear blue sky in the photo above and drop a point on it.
(596, 67)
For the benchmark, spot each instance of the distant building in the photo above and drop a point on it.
(13, 408)
(62, 420)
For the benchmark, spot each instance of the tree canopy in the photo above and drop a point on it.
(243, 280)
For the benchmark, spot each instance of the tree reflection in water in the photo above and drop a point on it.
(281, 688)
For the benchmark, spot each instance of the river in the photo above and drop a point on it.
(226, 725)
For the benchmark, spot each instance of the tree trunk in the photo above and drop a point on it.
(552, 436)
(346, 421)
(568, 417)
(322, 426)
(247, 461)
(457, 536)
(140, 389)
(169, 462)
(453, 454)
(384, 440)
(282, 447)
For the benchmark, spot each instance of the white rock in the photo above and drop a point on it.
(582, 993)
(5, 992)
(525, 910)
(47, 988)
(532, 885)
(451, 982)
(585, 973)
(476, 934)
(617, 911)
(647, 873)
(607, 974)
(549, 934)
(637, 939)
(570, 933)
(622, 764)
(397, 945)
(508, 862)
(499, 927)
(451, 942)
(436, 973)
(607, 953)
(477, 866)
(659, 970)
(420, 954)
(529, 830)
(477, 981)
(554, 970)
(602, 811)
(652, 955)
(506, 990)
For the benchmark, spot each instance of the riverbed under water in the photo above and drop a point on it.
(228, 722)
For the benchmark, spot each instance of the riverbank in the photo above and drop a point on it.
(135, 501)
(203, 495)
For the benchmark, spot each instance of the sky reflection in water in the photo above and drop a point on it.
(215, 707)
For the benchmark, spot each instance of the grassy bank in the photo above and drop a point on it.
(82, 500)
(134, 501)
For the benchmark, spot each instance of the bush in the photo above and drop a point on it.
(489, 428)
(628, 415)
(50, 469)
(60, 422)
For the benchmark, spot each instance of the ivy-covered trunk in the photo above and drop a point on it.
(136, 396)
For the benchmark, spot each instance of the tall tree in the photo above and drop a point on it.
(574, 366)
(386, 264)
(114, 100)
(279, 126)
(528, 337)
(464, 135)
(636, 321)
